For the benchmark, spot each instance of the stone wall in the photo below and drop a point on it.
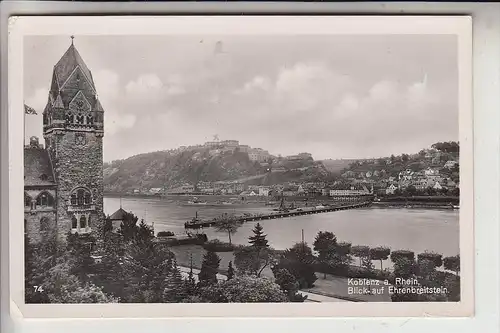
(77, 164)
(32, 224)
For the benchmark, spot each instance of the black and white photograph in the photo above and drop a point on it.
(229, 167)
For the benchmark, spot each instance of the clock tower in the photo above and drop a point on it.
(73, 129)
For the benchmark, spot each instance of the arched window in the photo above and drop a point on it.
(74, 223)
(69, 118)
(45, 119)
(88, 222)
(44, 224)
(43, 177)
(27, 200)
(25, 226)
(83, 222)
(90, 120)
(81, 197)
(80, 119)
(45, 200)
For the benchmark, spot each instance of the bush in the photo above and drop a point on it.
(165, 234)
(216, 245)
(399, 254)
(380, 253)
(452, 263)
(436, 258)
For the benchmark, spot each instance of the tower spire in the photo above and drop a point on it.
(72, 38)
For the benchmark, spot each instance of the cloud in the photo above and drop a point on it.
(38, 100)
(110, 95)
(150, 89)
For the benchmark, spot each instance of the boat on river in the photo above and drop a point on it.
(195, 202)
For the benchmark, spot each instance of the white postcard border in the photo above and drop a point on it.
(238, 25)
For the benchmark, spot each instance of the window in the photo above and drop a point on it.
(90, 120)
(81, 197)
(43, 177)
(74, 223)
(88, 222)
(45, 119)
(83, 222)
(80, 119)
(73, 199)
(44, 224)
(87, 198)
(45, 200)
(70, 118)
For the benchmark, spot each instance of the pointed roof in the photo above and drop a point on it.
(37, 167)
(118, 215)
(67, 64)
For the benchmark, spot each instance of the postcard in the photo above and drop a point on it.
(214, 166)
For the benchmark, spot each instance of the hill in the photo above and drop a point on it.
(335, 166)
(172, 169)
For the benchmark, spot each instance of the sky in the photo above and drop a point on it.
(336, 96)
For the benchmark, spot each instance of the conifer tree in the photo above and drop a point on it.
(209, 267)
(259, 238)
(190, 282)
(173, 291)
(230, 271)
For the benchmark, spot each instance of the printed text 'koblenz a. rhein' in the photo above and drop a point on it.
(358, 286)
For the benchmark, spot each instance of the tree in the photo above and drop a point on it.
(33, 273)
(259, 238)
(209, 268)
(78, 254)
(230, 271)
(244, 289)
(288, 284)
(128, 227)
(343, 254)
(404, 267)
(299, 261)
(426, 270)
(405, 158)
(325, 244)
(63, 287)
(452, 264)
(452, 285)
(144, 233)
(360, 251)
(396, 255)
(436, 258)
(252, 260)
(173, 291)
(144, 268)
(190, 282)
(227, 223)
(380, 253)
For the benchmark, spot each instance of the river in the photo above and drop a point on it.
(398, 228)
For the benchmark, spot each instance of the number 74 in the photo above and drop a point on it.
(38, 289)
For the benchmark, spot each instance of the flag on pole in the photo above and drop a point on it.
(29, 109)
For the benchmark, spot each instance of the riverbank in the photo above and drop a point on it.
(412, 205)
(329, 286)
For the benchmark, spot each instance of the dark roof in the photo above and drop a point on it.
(67, 64)
(118, 215)
(37, 167)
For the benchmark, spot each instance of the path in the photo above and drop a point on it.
(311, 297)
